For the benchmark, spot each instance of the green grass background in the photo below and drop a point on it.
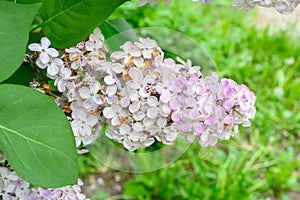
(261, 162)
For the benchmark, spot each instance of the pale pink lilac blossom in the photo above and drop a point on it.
(146, 97)
(13, 187)
(164, 100)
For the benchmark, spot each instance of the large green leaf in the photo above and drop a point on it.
(67, 22)
(15, 20)
(36, 137)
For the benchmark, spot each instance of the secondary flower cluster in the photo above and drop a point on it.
(157, 99)
(12, 187)
(142, 95)
(283, 6)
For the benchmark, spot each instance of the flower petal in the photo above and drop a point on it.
(136, 75)
(108, 113)
(138, 127)
(133, 85)
(124, 129)
(52, 69)
(134, 107)
(44, 58)
(176, 116)
(35, 47)
(152, 101)
(40, 64)
(109, 80)
(152, 112)
(138, 116)
(127, 143)
(165, 97)
(115, 121)
(45, 43)
(148, 142)
(84, 92)
(111, 90)
(117, 68)
(52, 52)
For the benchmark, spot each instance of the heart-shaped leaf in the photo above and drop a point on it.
(36, 137)
(15, 20)
(68, 22)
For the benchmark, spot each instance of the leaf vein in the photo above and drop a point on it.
(62, 12)
(34, 141)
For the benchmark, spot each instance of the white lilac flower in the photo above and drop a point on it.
(170, 134)
(45, 53)
(147, 47)
(53, 66)
(129, 52)
(153, 111)
(76, 58)
(95, 42)
(139, 82)
(127, 136)
(111, 88)
(115, 113)
(47, 57)
(90, 96)
(62, 79)
(82, 126)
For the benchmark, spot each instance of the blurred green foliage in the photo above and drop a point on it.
(261, 161)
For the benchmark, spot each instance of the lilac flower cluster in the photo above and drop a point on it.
(143, 96)
(282, 6)
(157, 99)
(12, 187)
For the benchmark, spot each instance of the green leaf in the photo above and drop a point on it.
(15, 20)
(22, 76)
(29, 1)
(36, 137)
(69, 22)
(117, 32)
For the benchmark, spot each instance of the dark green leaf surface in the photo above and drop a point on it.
(67, 22)
(22, 76)
(15, 20)
(29, 1)
(36, 137)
